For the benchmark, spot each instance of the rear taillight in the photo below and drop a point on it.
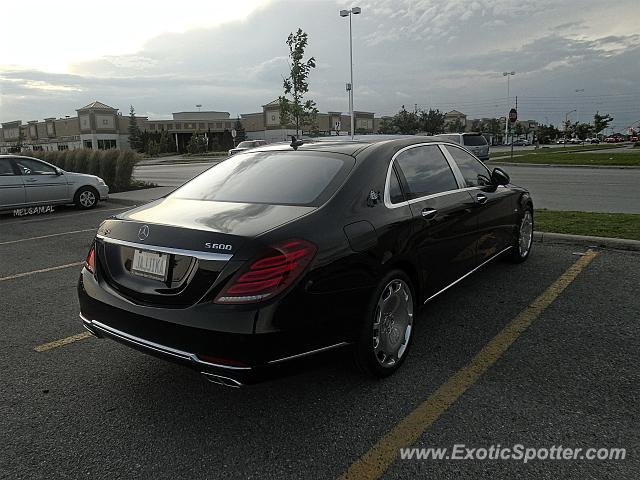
(272, 272)
(90, 262)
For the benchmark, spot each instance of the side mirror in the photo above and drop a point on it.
(499, 177)
(59, 171)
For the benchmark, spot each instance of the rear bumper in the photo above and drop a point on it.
(221, 344)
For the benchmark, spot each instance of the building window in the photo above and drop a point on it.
(106, 144)
(178, 126)
(170, 126)
(63, 147)
(201, 126)
(87, 144)
(105, 121)
(219, 125)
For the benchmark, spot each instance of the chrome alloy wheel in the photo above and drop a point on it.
(87, 199)
(392, 323)
(526, 233)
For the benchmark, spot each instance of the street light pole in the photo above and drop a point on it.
(506, 118)
(349, 13)
(566, 121)
(578, 90)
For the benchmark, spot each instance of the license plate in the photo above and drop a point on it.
(149, 264)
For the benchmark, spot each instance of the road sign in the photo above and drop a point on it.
(513, 115)
(337, 126)
(234, 133)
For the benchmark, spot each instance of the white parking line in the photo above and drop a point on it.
(47, 236)
(33, 272)
(54, 217)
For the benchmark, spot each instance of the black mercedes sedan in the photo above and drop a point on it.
(290, 250)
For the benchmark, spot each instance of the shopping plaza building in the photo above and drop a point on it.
(99, 126)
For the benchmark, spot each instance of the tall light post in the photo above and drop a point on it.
(506, 122)
(578, 90)
(349, 13)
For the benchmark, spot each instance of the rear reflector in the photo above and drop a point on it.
(90, 262)
(272, 272)
(220, 360)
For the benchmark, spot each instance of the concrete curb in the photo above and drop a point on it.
(546, 165)
(587, 241)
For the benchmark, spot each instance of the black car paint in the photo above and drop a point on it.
(358, 240)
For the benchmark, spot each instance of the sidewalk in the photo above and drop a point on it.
(138, 197)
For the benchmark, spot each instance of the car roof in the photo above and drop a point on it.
(349, 146)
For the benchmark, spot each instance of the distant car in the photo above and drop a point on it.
(610, 140)
(474, 142)
(576, 141)
(27, 182)
(521, 143)
(592, 140)
(633, 139)
(560, 141)
(247, 145)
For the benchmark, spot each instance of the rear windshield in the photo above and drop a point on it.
(275, 178)
(474, 140)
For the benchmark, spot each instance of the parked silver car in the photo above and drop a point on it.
(474, 142)
(26, 181)
(246, 145)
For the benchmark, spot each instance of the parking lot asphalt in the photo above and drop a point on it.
(89, 408)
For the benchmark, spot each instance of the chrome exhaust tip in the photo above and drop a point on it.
(220, 380)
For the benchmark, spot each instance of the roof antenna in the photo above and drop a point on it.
(295, 143)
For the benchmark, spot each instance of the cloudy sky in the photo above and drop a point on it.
(231, 56)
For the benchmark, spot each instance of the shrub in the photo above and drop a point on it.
(636, 145)
(81, 161)
(153, 148)
(108, 166)
(70, 162)
(93, 163)
(124, 169)
(62, 158)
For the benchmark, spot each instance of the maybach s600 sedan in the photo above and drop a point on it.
(294, 249)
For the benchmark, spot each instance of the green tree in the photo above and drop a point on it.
(601, 122)
(164, 142)
(432, 121)
(135, 141)
(583, 130)
(386, 127)
(298, 111)
(241, 134)
(456, 126)
(197, 144)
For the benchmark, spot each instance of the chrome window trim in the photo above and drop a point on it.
(94, 325)
(175, 251)
(387, 196)
(472, 155)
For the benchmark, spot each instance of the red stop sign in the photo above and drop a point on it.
(513, 115)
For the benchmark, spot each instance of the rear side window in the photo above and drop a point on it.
(453, 138)
(29, 166)
(426, 171)
(395, 191)
(5, 167)
(474, 140)
(475, 173)
(275, 178)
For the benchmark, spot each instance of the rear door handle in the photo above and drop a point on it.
(481, 199)
(429, 213)
(30, 180)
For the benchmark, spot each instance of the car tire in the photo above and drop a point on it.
(386, 333)
(524, 237)
(86, 198)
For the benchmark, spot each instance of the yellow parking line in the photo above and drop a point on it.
(50, 269)
(380, 457)
(47, 236)
(63, 341)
